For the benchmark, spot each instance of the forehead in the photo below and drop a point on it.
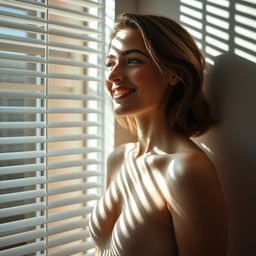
(126, 39)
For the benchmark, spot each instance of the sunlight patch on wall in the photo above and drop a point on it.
(221, 26)
(245, 27)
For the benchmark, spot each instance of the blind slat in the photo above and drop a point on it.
(44, 110)
(35, 29)
(66, 164)
(20, 125)
(20, 224)
(19, 72)
(17, 210)
(72, 188)
(81, 235)
(21, 94)
(22, 195)
(22, 237)
(24, 249)
(73, 137)
(38, 6)
(38, 154)
(59, 228)
(72, 200)
(22, 155)
(22, 182)
(36, 59)
(40, 44)
(84, 3)
(21, 168)
(40, 21)
(25, 139)
(42, 139)
(73, 175)
(85, 150)
(72, 13)
(70, 214)
(70, 250)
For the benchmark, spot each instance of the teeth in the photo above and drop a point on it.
(121, 92)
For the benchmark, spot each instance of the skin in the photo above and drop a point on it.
(162, 196)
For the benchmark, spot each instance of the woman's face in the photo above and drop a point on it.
(133, 81)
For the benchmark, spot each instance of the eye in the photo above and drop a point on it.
(109, 64)
(134, 61)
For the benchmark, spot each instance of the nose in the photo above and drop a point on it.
(115, 74)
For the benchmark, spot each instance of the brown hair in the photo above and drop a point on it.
(171, 47)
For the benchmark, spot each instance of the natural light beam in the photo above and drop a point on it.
(246, 9)
(191, 12)
(194, 33)
(193, 3)
(191, 22)
(244, 20)
(217, 43)
(245, 44)
(209, 61)
(216, 32)
(245, 32)
(213, 52)
(217, 11)
(245, 55)
(223, 3)
(250, 1)
(217, 22)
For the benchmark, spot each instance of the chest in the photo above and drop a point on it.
(132, 207)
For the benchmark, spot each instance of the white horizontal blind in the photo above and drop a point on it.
(221, 26)
(52, 124)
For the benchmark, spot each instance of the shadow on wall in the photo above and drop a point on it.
(231, 88)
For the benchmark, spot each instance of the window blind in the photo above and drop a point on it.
(54, 134)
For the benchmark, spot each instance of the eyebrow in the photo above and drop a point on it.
(124, 53)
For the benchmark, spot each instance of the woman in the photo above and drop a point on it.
(162, 194)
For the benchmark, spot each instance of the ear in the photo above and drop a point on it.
(173, 78)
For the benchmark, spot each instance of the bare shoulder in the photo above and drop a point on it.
(116, 159)
(196, 204)
(190, 164)
(191, 173)
(193, 169)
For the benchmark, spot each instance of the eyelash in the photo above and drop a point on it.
(134, 61)
(129, 61)
(109, 64)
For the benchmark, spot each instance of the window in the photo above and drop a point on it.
(54, 134)
(221, 26)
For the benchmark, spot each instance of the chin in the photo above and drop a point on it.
(121, 110)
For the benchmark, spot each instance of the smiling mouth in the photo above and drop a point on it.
(122, 92)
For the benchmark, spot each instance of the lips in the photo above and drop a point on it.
(122, 92)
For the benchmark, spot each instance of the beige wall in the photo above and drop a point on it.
(169, 8)
(231, 90)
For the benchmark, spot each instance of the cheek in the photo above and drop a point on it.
(144, 77)
(108, 85)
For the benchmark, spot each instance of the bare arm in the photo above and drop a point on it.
(197, 207)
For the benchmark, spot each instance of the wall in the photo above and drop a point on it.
(231, 88)
(162, 7)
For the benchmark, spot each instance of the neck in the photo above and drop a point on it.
(154, 133)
